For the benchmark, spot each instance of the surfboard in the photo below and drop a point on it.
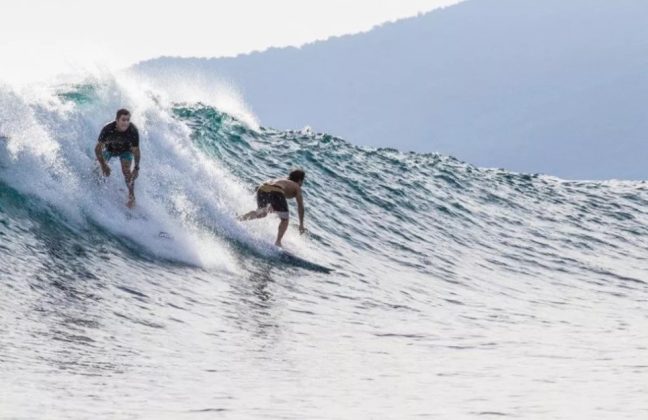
(292, 259)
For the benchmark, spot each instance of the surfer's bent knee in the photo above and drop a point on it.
(262, 212)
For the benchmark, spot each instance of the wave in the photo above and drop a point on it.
(426, 214)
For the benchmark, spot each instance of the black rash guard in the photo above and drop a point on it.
(118, 142)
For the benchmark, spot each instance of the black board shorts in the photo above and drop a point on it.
(276, 200)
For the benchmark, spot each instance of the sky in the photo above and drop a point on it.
(41, 37)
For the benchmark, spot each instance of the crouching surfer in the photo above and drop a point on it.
(272, 197)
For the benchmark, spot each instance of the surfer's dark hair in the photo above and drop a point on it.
(120, 112)
(297, 175)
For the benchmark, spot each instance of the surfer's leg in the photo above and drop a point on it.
(130, 182)
(283, 226)
(263, 208)
(254, 214)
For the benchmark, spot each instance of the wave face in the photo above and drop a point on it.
(456, 291)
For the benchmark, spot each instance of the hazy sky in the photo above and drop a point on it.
(44, 36)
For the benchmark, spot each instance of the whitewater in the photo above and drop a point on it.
(456, 291)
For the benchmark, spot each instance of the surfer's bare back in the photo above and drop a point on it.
(272, 197)
(120, 138)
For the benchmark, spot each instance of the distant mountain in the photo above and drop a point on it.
(552, 86)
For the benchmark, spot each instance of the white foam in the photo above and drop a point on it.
(49, 153)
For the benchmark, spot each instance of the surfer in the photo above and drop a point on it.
(272, 197)
(120, 138)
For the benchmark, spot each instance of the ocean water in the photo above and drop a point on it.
(456, 291)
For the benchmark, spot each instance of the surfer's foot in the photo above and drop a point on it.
(278, 244)
(131, 202)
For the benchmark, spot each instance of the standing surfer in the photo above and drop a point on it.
(120, 138)
(272, 196)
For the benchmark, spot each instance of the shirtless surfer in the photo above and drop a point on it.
(120, 138)
(272, 196)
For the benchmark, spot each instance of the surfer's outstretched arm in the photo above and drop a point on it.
(102, 162)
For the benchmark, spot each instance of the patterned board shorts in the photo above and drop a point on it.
(107, 155)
